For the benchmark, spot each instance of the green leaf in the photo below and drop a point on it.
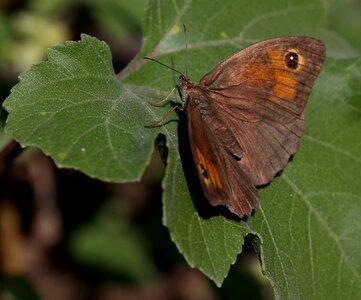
(74, 108)
(111, 244)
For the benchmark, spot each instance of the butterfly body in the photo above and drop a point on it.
(246, 117)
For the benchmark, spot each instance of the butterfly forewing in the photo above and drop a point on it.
(260, 72)
(261, 94)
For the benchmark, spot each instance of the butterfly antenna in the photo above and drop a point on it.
(164, 65)
(186, 48)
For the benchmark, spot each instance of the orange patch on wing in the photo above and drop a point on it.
(254, 73)
(212, 173)
(284, 87)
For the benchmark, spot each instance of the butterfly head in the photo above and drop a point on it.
(186, 87)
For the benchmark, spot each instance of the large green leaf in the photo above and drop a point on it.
(74, 108)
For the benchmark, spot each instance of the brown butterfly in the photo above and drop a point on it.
(246, 117)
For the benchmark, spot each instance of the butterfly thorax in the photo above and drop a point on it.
(192, 94)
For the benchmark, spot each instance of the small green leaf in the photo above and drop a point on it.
(74, 108)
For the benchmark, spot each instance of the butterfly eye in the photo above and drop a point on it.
(291, 60)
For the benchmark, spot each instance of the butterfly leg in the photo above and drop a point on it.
(162, 121)
(165, 100)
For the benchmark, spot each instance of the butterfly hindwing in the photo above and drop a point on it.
(222, 180)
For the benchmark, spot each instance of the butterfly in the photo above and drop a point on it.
(245, 118)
